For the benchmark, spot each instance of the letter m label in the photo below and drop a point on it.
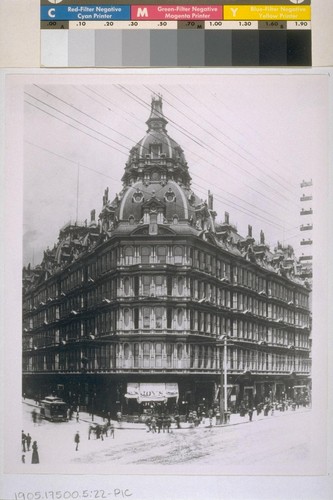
(142, 12)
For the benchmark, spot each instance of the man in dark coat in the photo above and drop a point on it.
(28, 440)
(24, 438)
(77, 440)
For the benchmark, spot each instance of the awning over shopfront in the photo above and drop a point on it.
(143, 391)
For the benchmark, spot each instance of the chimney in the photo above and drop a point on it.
(226, 217)
(92, 215)
(262, 237)
(249, 231)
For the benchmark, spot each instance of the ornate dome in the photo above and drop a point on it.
(156, 187)
(156, 157)
(171, 200)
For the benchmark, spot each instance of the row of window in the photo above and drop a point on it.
(245, 359)
(276, 336)
(247, 303)
(245, 277)
(72, 280)
(163, 254)
(164, 355)
(176, 286)
(280, 291)
(158, 318)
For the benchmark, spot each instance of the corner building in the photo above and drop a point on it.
(128, 311)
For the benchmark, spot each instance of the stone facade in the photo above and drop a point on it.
(145, 294)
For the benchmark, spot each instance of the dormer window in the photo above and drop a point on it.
(137, 197)
(170, 196)
(155, 150)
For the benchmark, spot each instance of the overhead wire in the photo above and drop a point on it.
(234, 205)
(202, 145)
(265, 172)
(77, 121)
(226, 158)
(146, 106)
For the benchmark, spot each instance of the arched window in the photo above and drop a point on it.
(126, 351)
(158, 355)
(179, 351)
(158, 285)
(178, 255)
(136, 355)
(200, 356)
(192, 356)
(146, 317)
(180, 317)
(180, 285)
(161, 253)
(169, 352)
(207, 356)
(145, 255)
(129, 254)
(126, 318)
(146, 355)
(158, 317)
(126, 286)
(146, 281)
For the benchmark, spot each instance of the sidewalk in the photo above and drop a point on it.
(235, 419)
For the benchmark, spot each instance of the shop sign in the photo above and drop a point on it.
(152, 391)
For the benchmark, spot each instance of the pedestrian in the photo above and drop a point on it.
(77, 416)
(35, 456)
(153, 425)
(28, 440)
(112, 430)
(77, 440)
(177, 420)
(250, 414)
(24, 438)
(34, 416)
(148, 424)
(210, 415)
(24, 396)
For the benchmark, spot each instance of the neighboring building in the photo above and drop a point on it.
(130, 309)
(304, 268)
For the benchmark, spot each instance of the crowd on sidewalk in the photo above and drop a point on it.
(102, 427)
(26, 443)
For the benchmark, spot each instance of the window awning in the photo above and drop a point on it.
(154, 391)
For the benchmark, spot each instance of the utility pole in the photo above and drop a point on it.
(224, 383)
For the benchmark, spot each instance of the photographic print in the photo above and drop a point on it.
(169, 321)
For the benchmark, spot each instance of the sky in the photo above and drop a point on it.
(249, 139)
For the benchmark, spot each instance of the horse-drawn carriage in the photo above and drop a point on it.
(100, 431)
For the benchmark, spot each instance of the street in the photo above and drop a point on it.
(275, 443)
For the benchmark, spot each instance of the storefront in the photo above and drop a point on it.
(149, 397)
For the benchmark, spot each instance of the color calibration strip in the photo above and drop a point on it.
(175, 35)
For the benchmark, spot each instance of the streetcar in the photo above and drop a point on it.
(54, 409)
